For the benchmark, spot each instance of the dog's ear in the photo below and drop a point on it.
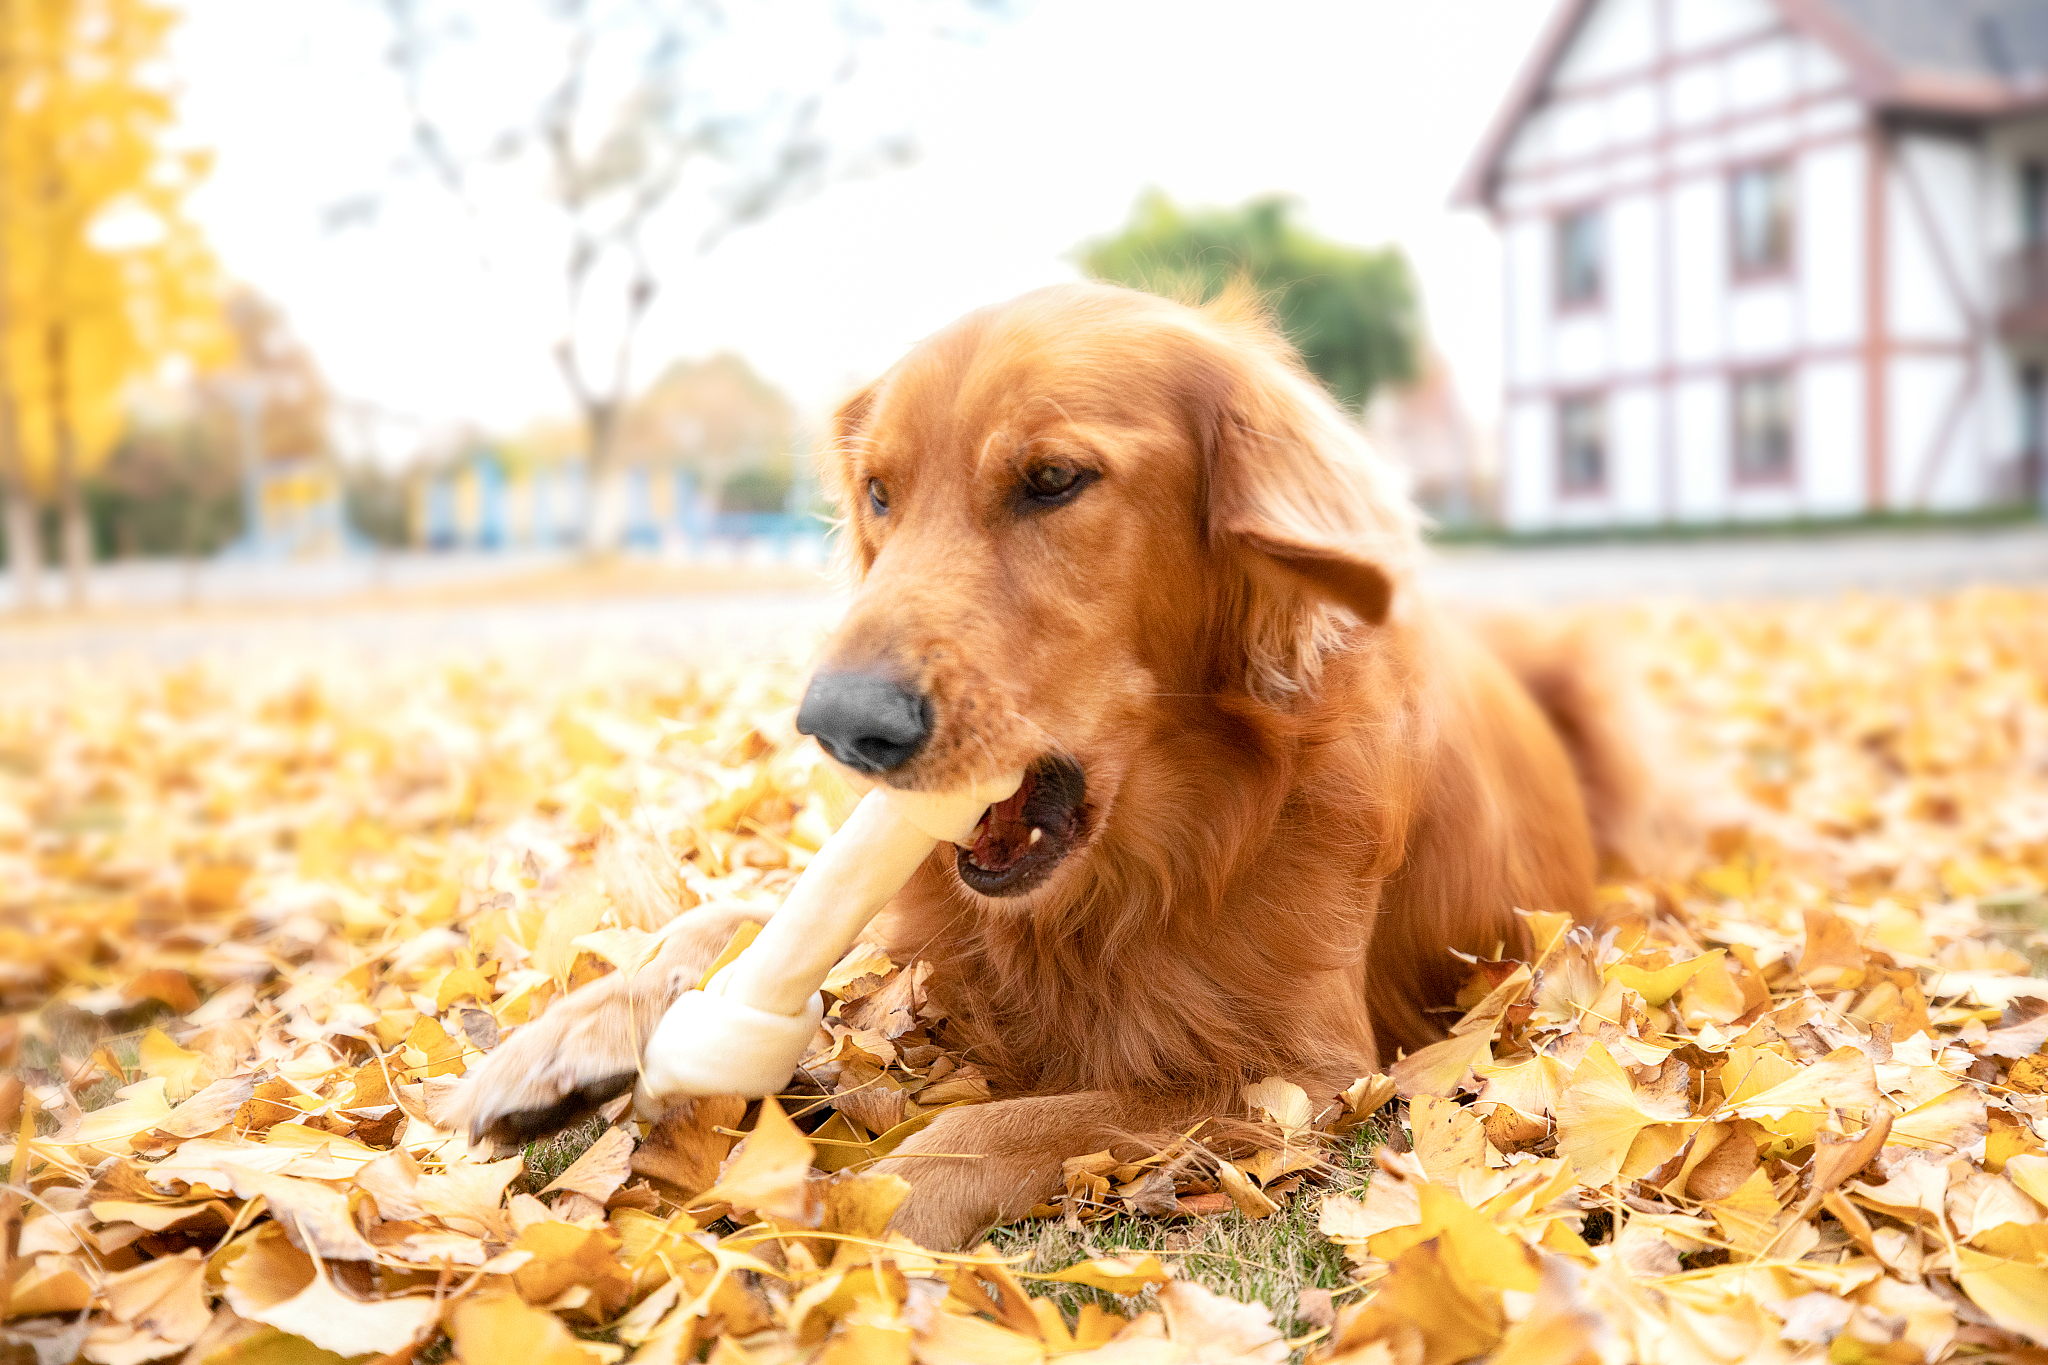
(1297, 497)
(845, 434)
(1293, 485)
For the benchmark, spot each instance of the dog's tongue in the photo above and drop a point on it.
(1003, 836)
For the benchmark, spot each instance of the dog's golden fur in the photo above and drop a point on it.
(1305, 784)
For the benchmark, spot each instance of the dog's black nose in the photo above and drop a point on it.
(864, 720)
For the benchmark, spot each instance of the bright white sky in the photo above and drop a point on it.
(1031, 141)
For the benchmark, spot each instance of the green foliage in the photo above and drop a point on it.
(1352, 312)
(379, 504)
(756, 488)
(168, 489)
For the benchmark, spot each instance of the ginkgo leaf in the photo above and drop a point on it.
(1251, 1201)
(139, 1108)
(1658, 985)
(1212, 1328)
(627, 949)
(1950, 1122)
(1841, 1080)
(494, 1329)
(1470, 1246)
(1284, 1104)
(1117, 1274)
(467, 1195)
(863, 1204)
(770, 1173)
(315, 1216)
(184, 1072)
(1442, 1068)
(2013, 1293)
(603, 1167)
(1601, 1113)
(211, 1109)
(275, 1283)
(1448, 1138)
(1529, 1087)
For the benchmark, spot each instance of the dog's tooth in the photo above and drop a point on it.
(1036, 834)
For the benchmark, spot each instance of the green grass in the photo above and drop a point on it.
(74, 1034)
(548, 1157)
(2019, 920)
(1795, 527)
(1264, 1260)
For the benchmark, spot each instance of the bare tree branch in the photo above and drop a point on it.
(631, 124)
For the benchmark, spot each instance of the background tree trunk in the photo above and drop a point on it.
(76, 536)
(604, 499)
(24, 545)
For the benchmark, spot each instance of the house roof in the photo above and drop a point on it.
(1970, 59)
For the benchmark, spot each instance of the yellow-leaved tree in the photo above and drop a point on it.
(103, 277)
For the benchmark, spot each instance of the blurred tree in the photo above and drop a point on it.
(1351, 311)
(23, 534)
(173, 483)
(379, 502)
(170, 487)
(295, 414)
(721, 420)
(107, 280)
(654, 126)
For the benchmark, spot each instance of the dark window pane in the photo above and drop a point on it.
(1580, 257)
(1763, 427)
(1582, 445)
(1762, 219)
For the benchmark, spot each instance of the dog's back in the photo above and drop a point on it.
(1585, 687)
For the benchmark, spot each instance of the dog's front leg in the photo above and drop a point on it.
(585, 1049)
(986, 1164)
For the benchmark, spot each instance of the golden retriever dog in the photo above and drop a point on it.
(1133, 549)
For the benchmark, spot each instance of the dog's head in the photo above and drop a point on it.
(1073, 518)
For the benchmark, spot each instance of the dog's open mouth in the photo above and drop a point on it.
(1020, 841)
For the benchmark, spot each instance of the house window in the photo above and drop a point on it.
(1581, 259)
(1763, 427)
(1761, 200)
(1582, 445)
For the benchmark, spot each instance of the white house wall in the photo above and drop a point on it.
(1940, 297)
(1831, 417)
(1648, 114)
(1696, 26)
(1620, 36)
(1831, 246)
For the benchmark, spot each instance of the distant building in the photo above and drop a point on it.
(485, 497)
(300, 511)
(1773, 258)
(1426, 427)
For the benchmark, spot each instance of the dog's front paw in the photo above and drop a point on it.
(586, 1049)
(553, 1072)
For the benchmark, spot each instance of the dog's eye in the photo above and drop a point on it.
(878, 497)
(1052, 484)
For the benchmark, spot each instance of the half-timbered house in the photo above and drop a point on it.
(1772, 259)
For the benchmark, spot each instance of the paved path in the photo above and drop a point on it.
(705, 626)
(1778, 566)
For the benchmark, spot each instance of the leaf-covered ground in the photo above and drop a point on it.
(256, 919)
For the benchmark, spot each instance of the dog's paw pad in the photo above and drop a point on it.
(520, 1126)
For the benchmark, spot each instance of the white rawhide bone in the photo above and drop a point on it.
(744, 1033)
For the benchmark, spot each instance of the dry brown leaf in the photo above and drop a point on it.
(603, 1167)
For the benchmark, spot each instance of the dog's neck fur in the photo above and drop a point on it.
(1164, 934)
